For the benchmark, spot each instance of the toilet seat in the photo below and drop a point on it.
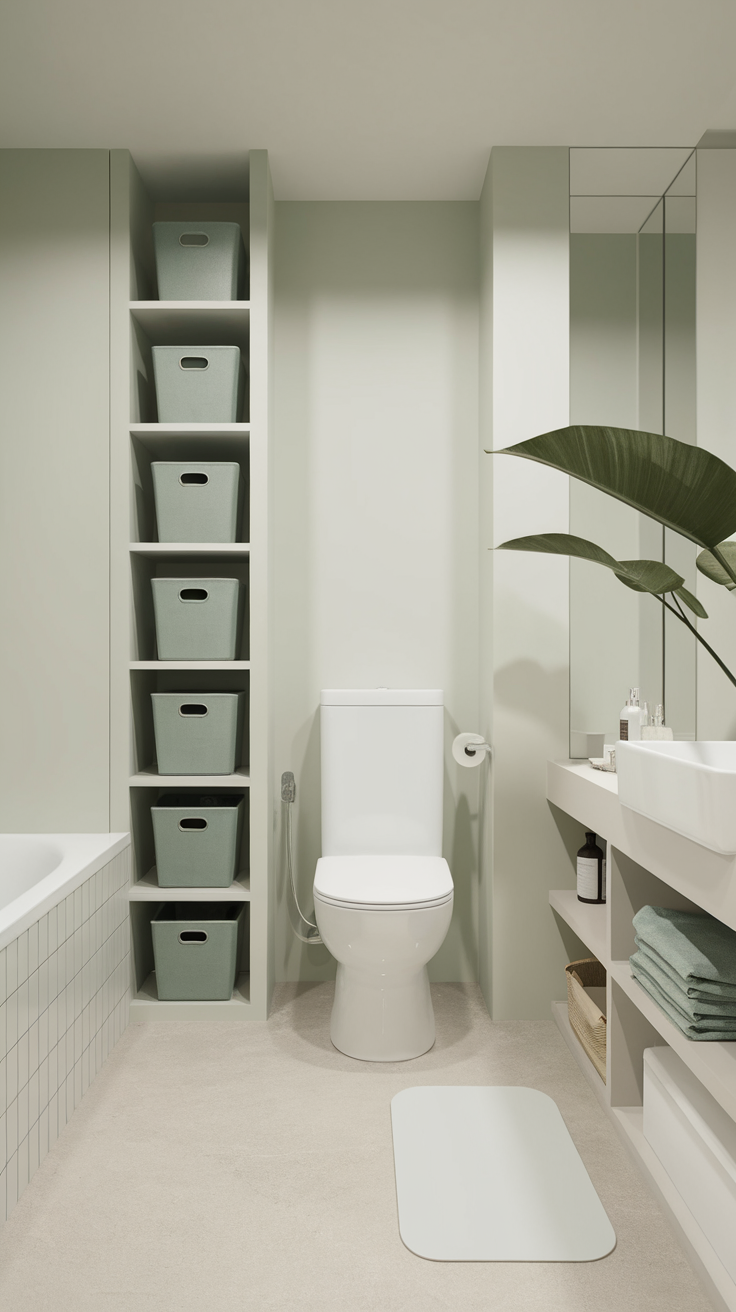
(383, 883)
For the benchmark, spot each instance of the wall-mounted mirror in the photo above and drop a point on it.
(632, 365)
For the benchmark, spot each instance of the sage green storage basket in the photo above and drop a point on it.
(199, 261)
(198, 732)
(198, 501)
(196, 950)
(197, 839)
(197, 619)
(198, 384)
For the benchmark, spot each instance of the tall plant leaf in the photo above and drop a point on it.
(641, 575)
(681, 486)
(692, 603)
(648, 576)
(712, 568)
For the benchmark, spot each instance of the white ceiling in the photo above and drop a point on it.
(361, 99)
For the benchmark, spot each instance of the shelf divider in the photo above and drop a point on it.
(148, 889)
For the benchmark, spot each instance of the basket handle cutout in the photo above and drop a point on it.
(194, 362)
(193, 708)
(194, 239)
(193, 936)
(194, 478)
(193, 594)
(193, 822)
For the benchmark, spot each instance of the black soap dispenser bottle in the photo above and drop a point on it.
(591, 866)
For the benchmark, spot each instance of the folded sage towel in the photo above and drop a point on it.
(691, 1031)
(697, 947)
(704, 990)
(713, 1014)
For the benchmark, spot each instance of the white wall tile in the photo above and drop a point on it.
(11, 966)
(34, 1106)
(22, 1103)
(33, 1153)
(53, 929)
(11, 1181)
(43, 986)
(43, 939)
(22, 941)
(11, 1074)
(33, 1049)
(22, 993)
(60, 923)
(11, 1128)
(22, 1047)
(53, 1119)
(43, 1134)
(64, 1001)
(32, 947)
(22, 1164)
(33, 997)
(43, 1083)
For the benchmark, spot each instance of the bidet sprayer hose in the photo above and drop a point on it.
(314, 938)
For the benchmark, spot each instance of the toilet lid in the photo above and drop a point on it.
(383, 883)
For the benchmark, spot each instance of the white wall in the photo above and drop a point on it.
(376, 466)
(716, 410)
(604, 615)
(54, 344)
(524, 655)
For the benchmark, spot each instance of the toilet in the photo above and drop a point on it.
(383, 892)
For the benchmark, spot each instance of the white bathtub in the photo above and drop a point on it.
(65, 984)
(38, 870)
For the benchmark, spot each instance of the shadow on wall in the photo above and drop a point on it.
(526, 687)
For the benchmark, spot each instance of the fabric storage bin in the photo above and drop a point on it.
(199, 261)
(197, 839)
(695, 1140)
(196, 949)
(198, 384)
(197, 619)
(586, 1001)
(198, 501)
(198, 732)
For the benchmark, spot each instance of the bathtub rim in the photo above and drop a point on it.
(82, 856)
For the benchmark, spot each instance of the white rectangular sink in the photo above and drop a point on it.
(689, 787)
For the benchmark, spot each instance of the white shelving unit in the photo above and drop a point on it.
(138, 322)
(647, 864)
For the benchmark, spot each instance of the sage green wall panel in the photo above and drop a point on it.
(54, 425)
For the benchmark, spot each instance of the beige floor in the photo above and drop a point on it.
(221, 1168)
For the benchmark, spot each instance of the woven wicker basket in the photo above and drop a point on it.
(585, 1015)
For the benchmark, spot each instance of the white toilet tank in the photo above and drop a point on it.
(382, 772)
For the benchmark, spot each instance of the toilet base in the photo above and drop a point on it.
(380, 1019)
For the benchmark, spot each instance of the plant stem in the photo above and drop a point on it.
(679, 613)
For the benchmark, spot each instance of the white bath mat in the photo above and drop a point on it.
(492, 1175)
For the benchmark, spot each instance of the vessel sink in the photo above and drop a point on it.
(689, 787)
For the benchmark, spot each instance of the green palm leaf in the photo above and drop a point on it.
(708, 565)
(681, 486)
(641, 575)
(692, 602)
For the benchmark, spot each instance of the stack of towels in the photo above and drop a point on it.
(686, 961)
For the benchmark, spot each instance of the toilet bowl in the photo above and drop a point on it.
(383, 918)
(382, 890)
